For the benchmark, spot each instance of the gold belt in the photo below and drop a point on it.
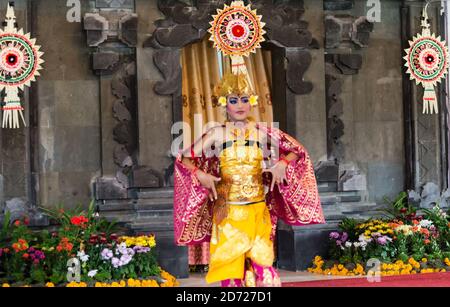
(245, 204)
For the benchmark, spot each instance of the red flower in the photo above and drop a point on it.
(75, 220)
(16, 248)
(93, 239)
(426, 241)
(69, 247)
(26, 221)
(17, 223)
(26, 256)
(113, 237)
(415, 222)
(79, 220)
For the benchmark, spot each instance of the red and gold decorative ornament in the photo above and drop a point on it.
(427, 63)
(237, 31)
(20, 62)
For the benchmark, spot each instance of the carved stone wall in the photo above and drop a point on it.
(111, 32)
(345, 34)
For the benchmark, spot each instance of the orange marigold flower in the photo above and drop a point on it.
(424, 231)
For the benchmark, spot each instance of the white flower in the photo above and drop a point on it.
(425, 223)
(348, 244)
(363, 239)
(357, 244)
(92, 273)
(83, 257)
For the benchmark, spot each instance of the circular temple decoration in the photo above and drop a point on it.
(237, 30)
(20, 62)
(427, 63)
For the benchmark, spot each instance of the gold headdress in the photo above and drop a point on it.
(236, 31)
(235, 84)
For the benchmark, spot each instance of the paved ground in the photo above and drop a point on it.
(198, 279)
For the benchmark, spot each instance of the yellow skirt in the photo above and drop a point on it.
(244, 233)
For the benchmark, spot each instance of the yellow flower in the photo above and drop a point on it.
(50, 285)
(222, 101)
(5, 285)
(253, 100)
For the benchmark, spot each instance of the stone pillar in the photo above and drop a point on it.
(111, 29)
(426, 152)
(155, 111)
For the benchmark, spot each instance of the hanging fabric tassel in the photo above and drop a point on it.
(11, 113)
(430, 105)
(12, 109)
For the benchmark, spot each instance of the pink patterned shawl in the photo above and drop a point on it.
(296, 203)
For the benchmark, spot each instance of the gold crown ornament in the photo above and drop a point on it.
(235, 84)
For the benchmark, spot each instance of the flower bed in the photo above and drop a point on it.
(83, 251)
(404, 243)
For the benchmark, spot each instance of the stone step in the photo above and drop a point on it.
(154, 214)
(154, 204)
(359, 207)
(152, 224)
(339, 197)
(116, 205)
(327, 186)
(119, 217)
(155, 193)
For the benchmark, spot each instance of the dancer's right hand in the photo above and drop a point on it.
(208, 181)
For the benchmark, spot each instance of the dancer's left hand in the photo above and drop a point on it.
(278, 173)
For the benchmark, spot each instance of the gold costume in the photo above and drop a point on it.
(241, 219)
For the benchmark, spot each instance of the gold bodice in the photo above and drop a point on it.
(241, 171)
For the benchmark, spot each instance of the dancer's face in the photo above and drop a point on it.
(238, 106)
